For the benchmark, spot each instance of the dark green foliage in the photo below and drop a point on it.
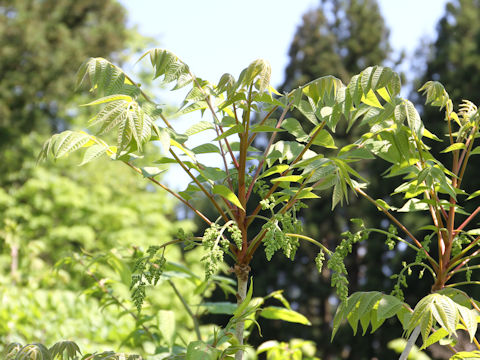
(41, 43)
(454, 59)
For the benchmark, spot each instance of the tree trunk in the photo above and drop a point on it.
(242, 272)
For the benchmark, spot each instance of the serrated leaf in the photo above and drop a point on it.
(110, 98)
(279, 313)
(206, 149)
(228, 194)
(198, 127)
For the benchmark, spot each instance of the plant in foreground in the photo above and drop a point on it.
(235, 112)
(287, 172)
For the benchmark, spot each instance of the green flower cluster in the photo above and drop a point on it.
(336, 262)
(319, 260)
(458, 242)
(236, 235)
(213, 243)
(421, 255)
(390, 241)
(275, 238)
(146, 271)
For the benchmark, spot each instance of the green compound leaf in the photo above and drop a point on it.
(371, 307)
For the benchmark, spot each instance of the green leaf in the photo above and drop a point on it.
(110, 98)
(277, 169)
(166, 321)
(265, 128)
(279, 313)
(228, 194)
(469, 317)
(206, 149)
(413, 119)
(198, 127)
(293, 127)
(222, 307)
(198, 350)
(233, 130)
(435, 337)
(474, 195)
(475, 151)
(65, 350)
(388, 306)
(453, 147)
(93, 152)
(371, 99)
(288, 178)
(324, 139)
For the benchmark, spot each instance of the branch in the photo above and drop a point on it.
(156, 182)
(209, 196)
(399, 224)
(270, 142)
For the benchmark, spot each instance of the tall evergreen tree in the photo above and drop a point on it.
(41, 41)
(340, 38)
(454, 57)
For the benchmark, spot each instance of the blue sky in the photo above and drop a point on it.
(218, 36)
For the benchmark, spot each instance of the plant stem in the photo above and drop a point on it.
(270, 142)
(209, 196)
(187, 308)
(411, 341)
(313, 241)
(242, 272)
(156, 182)
(467, 220)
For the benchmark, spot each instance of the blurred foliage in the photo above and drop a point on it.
(40, 43)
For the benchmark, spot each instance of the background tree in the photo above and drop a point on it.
(454, 57)
(339, 38)
(40, 43)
